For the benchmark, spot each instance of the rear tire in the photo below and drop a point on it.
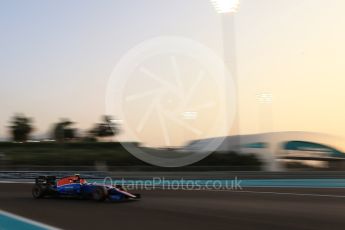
(99, 194)
(38, 191)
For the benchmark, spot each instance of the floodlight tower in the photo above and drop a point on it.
(225, 6)
(227, 9)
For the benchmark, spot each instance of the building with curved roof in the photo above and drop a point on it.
(274, 148)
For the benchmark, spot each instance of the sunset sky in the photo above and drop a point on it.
(57, 57)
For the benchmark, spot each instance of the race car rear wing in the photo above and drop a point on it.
(51, 180)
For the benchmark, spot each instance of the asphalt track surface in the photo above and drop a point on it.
(252, 208)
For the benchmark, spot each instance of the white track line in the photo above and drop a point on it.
(28, 221)
(283, 193)
(16, 182)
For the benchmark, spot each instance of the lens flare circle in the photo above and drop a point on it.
(133, 60)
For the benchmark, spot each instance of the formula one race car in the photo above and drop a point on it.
(77, 187)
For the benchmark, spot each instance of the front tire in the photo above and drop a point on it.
(38, 191)
(99, 194)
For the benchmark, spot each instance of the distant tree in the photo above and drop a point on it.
(63, 132)
(20, 128)
(107, 128)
